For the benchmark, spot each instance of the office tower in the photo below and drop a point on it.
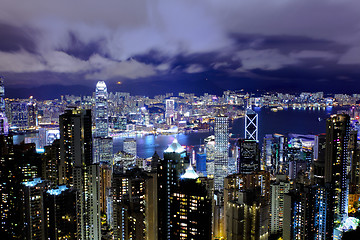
(336, 168)
(169, 111)
(103, 149)
(60, 213)
(273, 154)
(246, 205)
(129, 204)
(248, 160)
(51, 161)
(18, 163)
(221, 151)
(32, 113)
(251, 125)
(210, 155)
(75, 143)
(2, 95)
(190, 208)
(277, 191)
(105, 184)
(4, 125)
(101, 110)
(19, 114)
(78, 171)
(201, 163)
(152, 200)
(130, 146)
(169, 170)
(319, 160)
(34, 219)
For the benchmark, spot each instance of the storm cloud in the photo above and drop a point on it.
(231, 41)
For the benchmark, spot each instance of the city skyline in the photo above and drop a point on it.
(156, 47)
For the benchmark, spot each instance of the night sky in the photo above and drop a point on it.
(49, 48)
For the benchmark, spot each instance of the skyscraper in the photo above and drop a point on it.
(78, 171)
(101, 110)
(130, 146)
(248, 156)
(221, 151)
(251, 124)
(2, 95)
(336, 167)
(170, 111)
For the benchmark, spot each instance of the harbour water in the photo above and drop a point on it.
(287, 121)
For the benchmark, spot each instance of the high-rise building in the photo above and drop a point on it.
(210, 155)
(60, 213)
(336, 168)
(101, 110)
(169, 111)
(129, 204)
(78, 171)
(103, 149)
(168, 173)
(130, 146)
(34, 219)
(277, 191)
(251, 125)
(318, 173)
(190, 208)
(248, 160)
(2, 95)
(246, 205)
(32, 113)
(221, 151)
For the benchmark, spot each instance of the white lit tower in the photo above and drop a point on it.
(170, 111)
(101, 110)
(251, 124)
(103, 145)
(221, 151)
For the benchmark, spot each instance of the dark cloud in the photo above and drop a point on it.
(15, 38)
(291, 44)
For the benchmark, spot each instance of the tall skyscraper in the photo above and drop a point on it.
(101, 110)
(2, 95)
(169, 111)
(191, 208)
(221, 151)
(248, 156)
(246, 205)
(78, 171)
(251, 124)
(336, 168)
(277, 191)
(210, 155)
(130, 146)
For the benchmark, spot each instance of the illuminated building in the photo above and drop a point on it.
(221, 151)
(170, 111)
(336, 168)
(103, 149)
(34, 219)
(273, 153)
(169, 170)
(129, 204)
(251, 125)
(248, 160)
(32, 113)
(4, 125)
(124, 160)
(130, 146)
(51, 161)
(190, 208)
(60, 213)
(101, 110)
(105, 185)
(246, 205)
(210, 155)
(2, 95)
(278, 189)
(319, 160)
(19, 114)
(78, 171)
(201, 163)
